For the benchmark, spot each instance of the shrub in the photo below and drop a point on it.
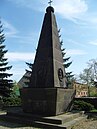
(95, 111)
(11, 101)
(81, 105)
(1, 103)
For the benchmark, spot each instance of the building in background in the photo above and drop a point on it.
(81, 89)
(22, 82)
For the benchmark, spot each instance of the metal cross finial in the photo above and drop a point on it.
(50, 2)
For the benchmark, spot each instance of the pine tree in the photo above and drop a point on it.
(5, 84)
(66, 64)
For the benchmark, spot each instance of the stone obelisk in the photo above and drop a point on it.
(47, 93)
(48, 70)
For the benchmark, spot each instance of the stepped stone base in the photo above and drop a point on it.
(64, 121)
(46, 101)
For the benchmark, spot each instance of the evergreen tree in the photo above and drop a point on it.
(66, 64)
(5, 84)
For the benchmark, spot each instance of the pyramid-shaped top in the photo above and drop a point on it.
(48, 70)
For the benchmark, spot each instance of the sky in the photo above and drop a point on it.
(22, 21)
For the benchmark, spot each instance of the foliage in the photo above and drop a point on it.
(15, 89)
(95, 110)
(1, 103)
(89, 74)
(14, 98)
(93, 91)
(83, 106)
(11, 101)
(66, 64)
(5, 83)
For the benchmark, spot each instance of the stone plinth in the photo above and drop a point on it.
(46, 101)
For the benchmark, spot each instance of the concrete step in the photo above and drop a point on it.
(35, 118)
(70, 124)
(69, 116)
(67, 125)
(60, 119)
(29, 122)
(42, 124)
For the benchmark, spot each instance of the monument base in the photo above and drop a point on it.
(46, 101)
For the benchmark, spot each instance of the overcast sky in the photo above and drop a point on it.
(22, 21)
